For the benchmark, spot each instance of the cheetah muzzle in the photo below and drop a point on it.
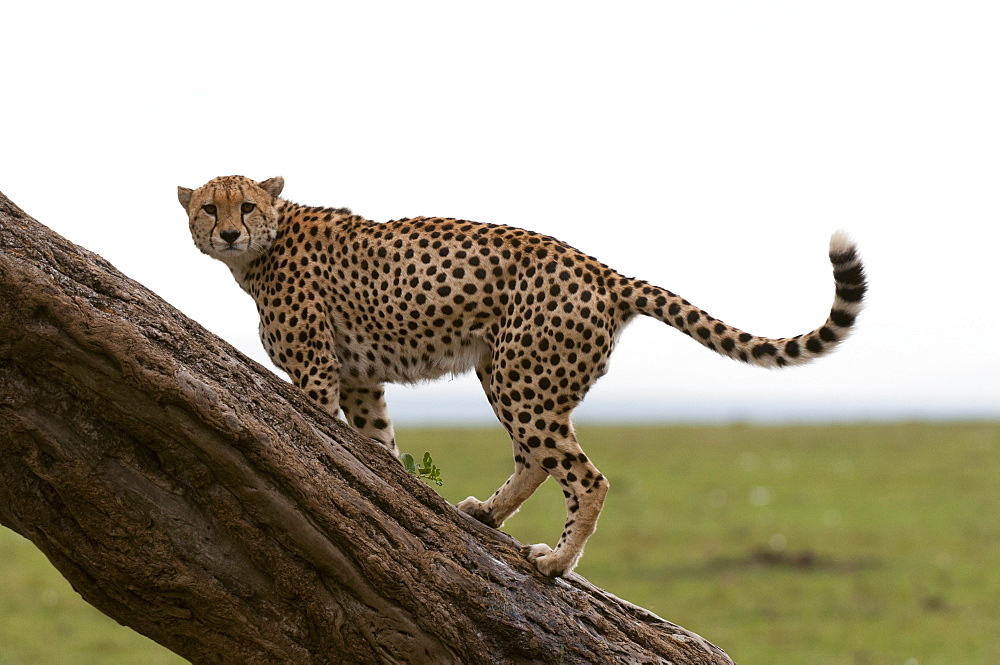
(347, 305)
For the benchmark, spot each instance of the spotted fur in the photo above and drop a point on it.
(347, 305)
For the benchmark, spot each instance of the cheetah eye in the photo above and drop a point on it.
(247, 208)
(209, 208)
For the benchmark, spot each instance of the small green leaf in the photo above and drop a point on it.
(427, 470)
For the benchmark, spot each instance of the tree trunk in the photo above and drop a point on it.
(190, 494)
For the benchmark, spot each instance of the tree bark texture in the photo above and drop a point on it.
(192, 495)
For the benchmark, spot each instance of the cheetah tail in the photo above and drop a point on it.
(848, 275)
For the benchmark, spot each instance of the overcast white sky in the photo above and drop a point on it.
(709, 147)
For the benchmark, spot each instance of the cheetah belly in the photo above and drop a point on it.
(406, 364)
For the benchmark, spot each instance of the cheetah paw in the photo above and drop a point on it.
(546, 560)
(474, 508)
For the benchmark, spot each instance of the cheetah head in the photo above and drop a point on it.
(233, 218)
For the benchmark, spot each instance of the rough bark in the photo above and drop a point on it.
(192, 495)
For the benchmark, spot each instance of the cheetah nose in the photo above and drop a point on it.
(230, 236)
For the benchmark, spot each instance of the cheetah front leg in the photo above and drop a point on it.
(312, 366)
(309, 360)
(364, 407)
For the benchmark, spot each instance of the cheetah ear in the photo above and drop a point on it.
(184, 196)
(273, 186)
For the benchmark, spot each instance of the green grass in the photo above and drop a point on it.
(841, 545)
(44, 622)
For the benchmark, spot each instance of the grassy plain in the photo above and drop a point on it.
(798, 545)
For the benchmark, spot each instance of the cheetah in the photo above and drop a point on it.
(347, 305)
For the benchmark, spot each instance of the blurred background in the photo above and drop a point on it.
(710, 148)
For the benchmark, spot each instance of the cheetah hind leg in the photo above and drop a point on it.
(365, 409)
(526, 477)
(508, 498)
(583, 486)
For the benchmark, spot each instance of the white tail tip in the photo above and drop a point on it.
(841, 242)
